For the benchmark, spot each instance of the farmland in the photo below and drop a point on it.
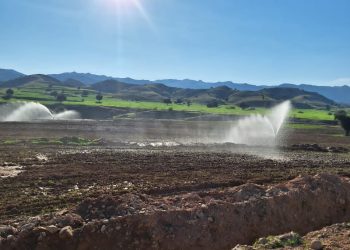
(41, 93)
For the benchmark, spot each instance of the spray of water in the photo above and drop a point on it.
(29, 111)
(259, 130)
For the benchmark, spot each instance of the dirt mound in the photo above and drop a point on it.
(214, 219)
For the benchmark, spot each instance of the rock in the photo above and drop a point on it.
(288, 236)
(242, 247)
(103, 228)
(39, 229)
(35, 220)
(52, 229)
(6, 230)
(316, 245)
(28, 227)
(62, 212)
(70, 219)
(90, 226)
(262, 241)
(10, 238)
(66, 232)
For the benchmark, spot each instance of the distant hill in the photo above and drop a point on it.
(147, 92)
(34, 80)
(73, 83)
(339, 94)
(9, 74)
(85, 78)
(26, 80)
(271, 96)
(222, 95)
(193, 84)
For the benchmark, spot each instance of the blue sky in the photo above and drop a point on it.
(254, 41)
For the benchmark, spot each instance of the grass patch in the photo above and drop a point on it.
(272, 242)
(10, 142)
(312, 114)
(305, 126)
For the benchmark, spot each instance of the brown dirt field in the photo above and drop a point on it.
(57, 177)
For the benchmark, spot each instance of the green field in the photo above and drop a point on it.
(41, 93)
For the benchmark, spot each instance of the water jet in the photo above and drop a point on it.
(259, 130)
(30, 111)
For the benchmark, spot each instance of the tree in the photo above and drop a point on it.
(53, 93)
(99, 97)
(61, 97)
(188, 103)
(49, 88)
(9, 93)
(84, 93)
(167, 101)
(179, 101)
(344, 121)
(243, 105)
(213, 104)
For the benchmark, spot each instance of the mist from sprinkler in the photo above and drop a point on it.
(31, 111)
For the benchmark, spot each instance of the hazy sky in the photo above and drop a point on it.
(254, 41)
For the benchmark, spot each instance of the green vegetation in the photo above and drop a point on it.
(10, 142)
(47, 94)
(272, 242)
(344, 120)
(306, 126)
(312, 114)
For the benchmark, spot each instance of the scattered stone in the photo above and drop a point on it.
(6, 230)
(103, 228)
(66, 232)
(210, 219)
(27, 227)
(262, 241)
(52, 229)
(288, 236)
(10, 238)
(316, 245)
(242, 247)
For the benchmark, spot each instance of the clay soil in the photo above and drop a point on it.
(75, 179)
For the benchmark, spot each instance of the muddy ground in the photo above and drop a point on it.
(144, 159)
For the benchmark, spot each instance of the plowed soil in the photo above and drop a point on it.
(56, 177)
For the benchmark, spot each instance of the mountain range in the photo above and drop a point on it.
(158, 92)
(339, 94)
(221, 95)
